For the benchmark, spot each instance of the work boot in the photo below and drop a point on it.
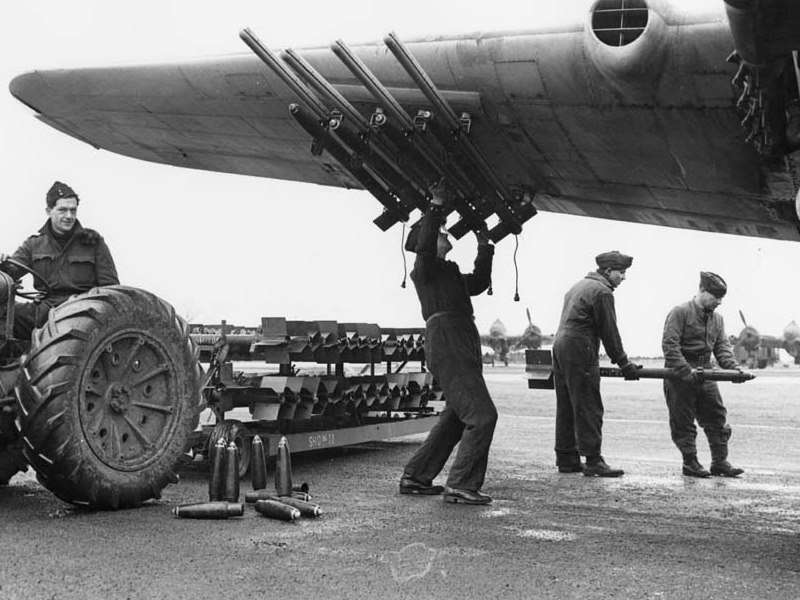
(597, 467)
(458, 496)
(719, 457)
(693, 468)
(573, 468)
(725, 469)
(409, 485)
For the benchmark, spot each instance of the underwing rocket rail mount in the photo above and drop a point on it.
(321, 384)
(399, 155)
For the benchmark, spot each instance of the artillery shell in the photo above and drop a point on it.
(209, 510)
(283, 469)
(231, 473)
(258, 464)
(307, 509)
(303, 487)
(257, 495)
(277, 510)
(217, 474)
(299, 495)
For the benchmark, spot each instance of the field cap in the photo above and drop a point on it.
(614, 260)
(58, 191)
(713, 284)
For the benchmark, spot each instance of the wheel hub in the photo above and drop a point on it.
(118, 398)
(126, 403)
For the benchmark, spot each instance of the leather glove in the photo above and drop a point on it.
(631, 371)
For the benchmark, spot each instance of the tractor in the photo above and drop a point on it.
(102, 400)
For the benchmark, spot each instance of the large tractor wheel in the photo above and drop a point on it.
(109, 397)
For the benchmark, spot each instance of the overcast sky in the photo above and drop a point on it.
(225, 246)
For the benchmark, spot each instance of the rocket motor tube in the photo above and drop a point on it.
(277, 510)
(699, 373)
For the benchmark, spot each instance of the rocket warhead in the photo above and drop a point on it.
(258, 464)
(307, 509)
(209, 510)
(299, 495)
(231, 493)
(283, 469)
(216, 477)
(277, 510)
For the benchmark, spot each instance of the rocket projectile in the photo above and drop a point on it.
(277, 510)
(258, 464)
(217, 474)
(283, 469)
(209, 510)
(303, 487)
(231, 493)
(307, 509)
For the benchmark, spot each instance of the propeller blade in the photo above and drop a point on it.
(528, 312)
(741, 315)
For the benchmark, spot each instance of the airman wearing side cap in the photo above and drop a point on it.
(693, 332)
(69, 257)
(588, 317)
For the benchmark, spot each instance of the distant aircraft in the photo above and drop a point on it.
(502, 344)
(756, 350)
(675, 113)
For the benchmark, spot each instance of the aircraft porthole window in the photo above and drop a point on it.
(619, 22)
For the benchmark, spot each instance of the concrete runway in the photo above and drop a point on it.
(651, 534)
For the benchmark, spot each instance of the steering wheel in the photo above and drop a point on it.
(34, 295)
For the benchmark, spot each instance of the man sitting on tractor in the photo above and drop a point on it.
(64, 258)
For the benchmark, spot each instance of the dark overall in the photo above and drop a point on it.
(691, 336)
(70, 264)
(453, 352)
(588, 317)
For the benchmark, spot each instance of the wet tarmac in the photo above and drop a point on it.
(650, 534)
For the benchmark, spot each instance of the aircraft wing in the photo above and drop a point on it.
(628, 114)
